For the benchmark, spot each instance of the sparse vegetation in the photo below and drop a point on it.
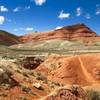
(93, 95)
(26, 89)
(41, 77)
(25, 74)
(23, 98)
(3, 95)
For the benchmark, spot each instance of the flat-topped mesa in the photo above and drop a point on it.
(68, 33)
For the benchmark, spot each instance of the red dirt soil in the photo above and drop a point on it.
(81, 69)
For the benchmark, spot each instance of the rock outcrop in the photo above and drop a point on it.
(74, 93)
(31, 62)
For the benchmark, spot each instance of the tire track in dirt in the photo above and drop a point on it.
(87, 74)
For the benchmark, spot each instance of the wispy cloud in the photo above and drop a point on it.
(78, 11)
(2, 19)
(63, 15)
(88, 16)
(15, 30)
(27, 7)
(98, 11)
(16, 9)
(29, 29)
(58, 27)
(3, 9)
(39, 2)
(24, 29)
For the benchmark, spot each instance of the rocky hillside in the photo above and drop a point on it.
(7, 38)
(74, 32)
(56, 78)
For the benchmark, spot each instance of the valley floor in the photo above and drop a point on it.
(39, 76)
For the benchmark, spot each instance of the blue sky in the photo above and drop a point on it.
(23, 16)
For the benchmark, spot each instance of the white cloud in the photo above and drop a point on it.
(3, 9)
(63, 15)
(78, 11)
(27, 7)
(16, 9)
(2, 19)
(98, 11)
(39, 2)
(23, 29)
(29, 29)
(58, 27)
(88, 16)
(15, 30)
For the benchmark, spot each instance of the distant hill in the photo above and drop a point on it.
(74, 32)
(7, 38)
(74, 37)
(77, 32)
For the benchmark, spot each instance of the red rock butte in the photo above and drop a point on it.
(74, 32)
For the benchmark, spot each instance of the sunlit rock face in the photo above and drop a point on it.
(74, 32)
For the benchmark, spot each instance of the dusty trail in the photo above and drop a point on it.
(87, 74)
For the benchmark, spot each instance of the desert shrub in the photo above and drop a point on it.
(53, 84)
(25, 74)
(18, 71)
(26, 89)
(41, 77)
(23, 98)
(53, 66)
(79, 92)
(93, 95)
(59, 63)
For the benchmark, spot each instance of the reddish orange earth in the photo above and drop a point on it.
(80, 69)
(78, 32)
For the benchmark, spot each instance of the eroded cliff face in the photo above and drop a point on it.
(75, 32)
